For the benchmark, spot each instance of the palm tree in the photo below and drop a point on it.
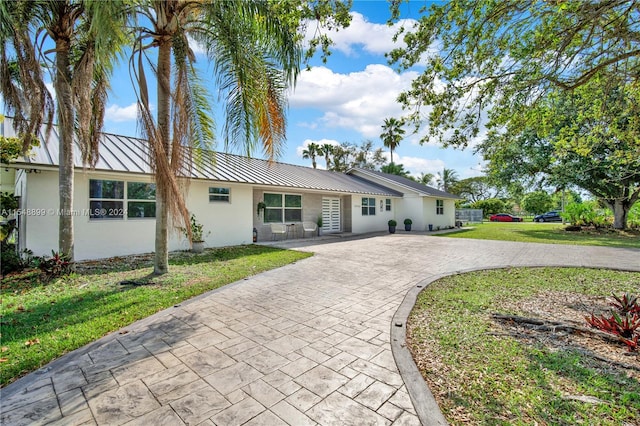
(326, 149)
(425, 178)
(447, 178)
(256, 57)
(311, 152)
(392, 134)
(87, 36)
(395, 169)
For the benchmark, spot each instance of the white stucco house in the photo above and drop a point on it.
(114, 203)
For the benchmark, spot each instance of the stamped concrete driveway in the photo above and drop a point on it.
(309, 343)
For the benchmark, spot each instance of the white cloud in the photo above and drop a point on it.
(417, 165)
(358, 101)
(376, 39)
(197, 48)
(119, 114)
(370, 37)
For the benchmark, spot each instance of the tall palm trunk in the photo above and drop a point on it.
(62, 85)
(161, 264)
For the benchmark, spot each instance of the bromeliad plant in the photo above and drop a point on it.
(624, 321)
(628, 303)
(55, 266)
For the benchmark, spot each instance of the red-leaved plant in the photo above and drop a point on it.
(628, 303)
(54, 266)
(624, 321)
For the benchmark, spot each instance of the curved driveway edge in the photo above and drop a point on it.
(421, 396)
(308, 343)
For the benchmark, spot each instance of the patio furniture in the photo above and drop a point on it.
(291, 230)
(309, 227)
(278, 229)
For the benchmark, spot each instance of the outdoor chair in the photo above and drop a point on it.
(278, 228)
(309, 227)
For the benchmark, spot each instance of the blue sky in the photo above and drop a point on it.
(344, 100)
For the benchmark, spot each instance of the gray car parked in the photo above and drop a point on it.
(552, 216)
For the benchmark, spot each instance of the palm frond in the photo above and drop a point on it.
(255, 61)
(21, 76)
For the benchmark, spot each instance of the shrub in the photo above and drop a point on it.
(54, 266)
(12, 261)
(8, 202)
(392, 223)
(624, 321)
(408, 222)
(490, 206)
(628, 303)
(587, 214)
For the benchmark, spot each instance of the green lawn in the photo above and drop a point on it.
(546, 233)
(42, 321)
(482, 373)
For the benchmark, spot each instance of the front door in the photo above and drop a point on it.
(330, 214)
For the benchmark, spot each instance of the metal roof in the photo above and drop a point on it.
(130, 155)
(407, 183)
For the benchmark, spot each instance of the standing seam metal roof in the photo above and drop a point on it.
(416, 186)
(130, 155)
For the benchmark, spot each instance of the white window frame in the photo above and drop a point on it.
(283, 207)
(113, 212)
(224, 198)
(439, 207)
(368, 207)
(137, 200)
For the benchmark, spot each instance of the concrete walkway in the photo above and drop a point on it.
(308, 343)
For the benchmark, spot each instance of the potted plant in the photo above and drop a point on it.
(407, 224)
(392, 226)
(261, 207)
(197, 235)
(319, 223)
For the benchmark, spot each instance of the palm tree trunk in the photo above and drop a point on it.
(65, 122)
(161, 264)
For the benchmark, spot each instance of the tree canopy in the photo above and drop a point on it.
(349, 155)
(553, 83)
(503, 55)
(475, 189)
(587, 138)
(537, 202)
(395, 169)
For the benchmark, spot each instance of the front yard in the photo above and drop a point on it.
(42, 321)
(547, 233)
(486, 365)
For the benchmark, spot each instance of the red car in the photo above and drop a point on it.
(504, 217)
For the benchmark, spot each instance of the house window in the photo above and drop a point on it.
(368, 206)
(217, 194)
(107, 199)
(141, 199)
(439, 206)
(281, 208)
(387, 204)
